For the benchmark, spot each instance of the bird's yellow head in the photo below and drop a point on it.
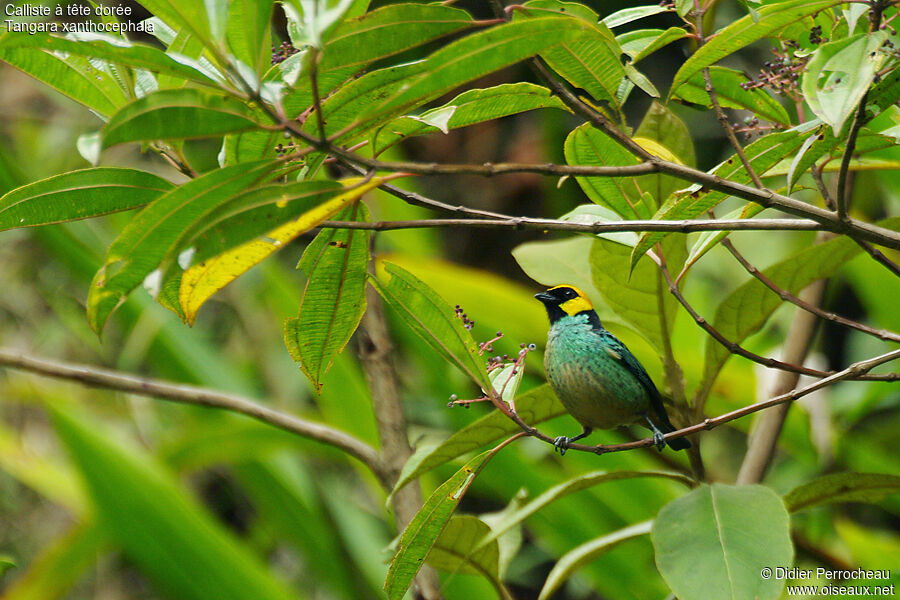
(564, 300)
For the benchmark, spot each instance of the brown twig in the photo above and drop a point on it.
(200, 396)
(882, 334)
(735, 348)
(521, 223)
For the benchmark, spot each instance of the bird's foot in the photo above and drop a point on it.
(561, 444)
(659, 440)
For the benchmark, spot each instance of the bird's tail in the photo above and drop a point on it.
(678, 443)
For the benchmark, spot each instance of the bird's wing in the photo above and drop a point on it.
(620, 352)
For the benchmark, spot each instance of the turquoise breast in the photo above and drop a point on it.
(589, 378)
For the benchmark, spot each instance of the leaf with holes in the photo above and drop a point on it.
(839, 74)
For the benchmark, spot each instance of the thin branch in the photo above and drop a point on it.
(823, 189)
(876, 254)
(853, 372)
(521, 223)
(882, 334)
(314, 86)
(190, 394)
(729, 130)
(735, 348)
(764, 197)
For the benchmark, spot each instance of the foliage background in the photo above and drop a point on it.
(313, 517)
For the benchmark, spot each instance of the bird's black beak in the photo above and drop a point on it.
(545, 297)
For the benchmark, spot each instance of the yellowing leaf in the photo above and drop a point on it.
(657, 149)
(203, 280)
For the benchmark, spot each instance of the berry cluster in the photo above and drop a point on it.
(781, 75)
(282, 150)
(465, 318)
(281, 53)
(815, 36)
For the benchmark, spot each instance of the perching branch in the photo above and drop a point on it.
(852, 372)
(200, 396)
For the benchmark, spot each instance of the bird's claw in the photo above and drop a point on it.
(561, 444)
(659, 440)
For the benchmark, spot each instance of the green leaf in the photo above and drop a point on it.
(535, 406)
(591, 62)
(358, 42)
(311, 22)
(883, 94)
(178, 114)
(591, 147)
(79, 195)
(576, 484)
(663, 126)
(642, 43)
(730, 94)
(116, 50)
(842, 487)
(343, 109)
(432, 319)
(470, 107)
(148, 238)
(715, 541)
(839, 74)
(205, 278)
(748, 307)
(627, 15)
(249, 35)
(695, 200)
(472, 57)
(743, 32)
(48, 476)
(193, 16)
(585, 553)
(387, 31)
(334, 298)
(453, 551)
(421, 533)
(636, 295)
(158, 526)
(76, 79)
